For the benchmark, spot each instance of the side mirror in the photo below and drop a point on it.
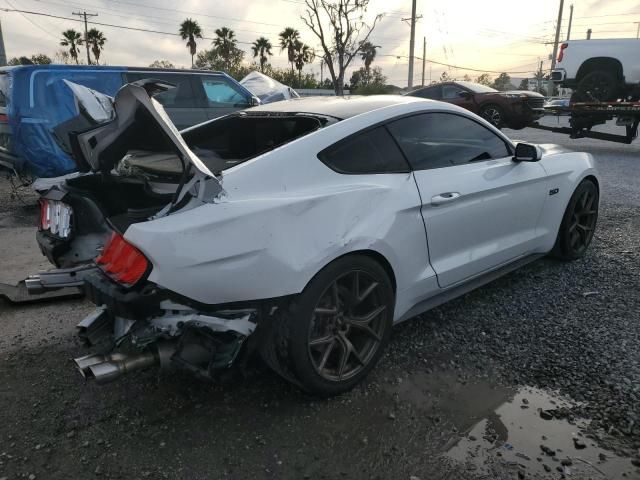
(254, 101)
(527, 153)
(464, 94)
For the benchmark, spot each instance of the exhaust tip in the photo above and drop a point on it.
(84, 363)
(105, 372)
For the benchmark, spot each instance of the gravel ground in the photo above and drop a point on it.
(571, 330)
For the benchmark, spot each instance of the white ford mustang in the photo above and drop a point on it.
(301, 230)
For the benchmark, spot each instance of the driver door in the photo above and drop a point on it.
(480, 208)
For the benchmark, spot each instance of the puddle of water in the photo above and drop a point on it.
(511, 437)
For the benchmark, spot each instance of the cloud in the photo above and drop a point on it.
(469, 33)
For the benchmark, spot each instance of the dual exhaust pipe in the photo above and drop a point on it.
(105, 368)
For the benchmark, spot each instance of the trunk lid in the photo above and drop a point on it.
(107, 128)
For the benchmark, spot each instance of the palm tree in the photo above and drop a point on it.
(190, 30)
(262, 47)
(72, 39)
(368, 53)
(225, 43)
(288, 38)
(96, 39)
(302, 54)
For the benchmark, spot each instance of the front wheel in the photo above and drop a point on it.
(579, 222)
(493, 114)
(333, 333)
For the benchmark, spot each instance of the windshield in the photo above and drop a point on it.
(477, 87)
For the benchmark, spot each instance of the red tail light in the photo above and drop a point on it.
(4, 118)
(122, 261)
(561, 54)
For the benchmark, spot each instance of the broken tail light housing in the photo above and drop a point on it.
(55, 217)
(123, 262)
(562, 49)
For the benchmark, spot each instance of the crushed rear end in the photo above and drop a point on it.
(135, 167)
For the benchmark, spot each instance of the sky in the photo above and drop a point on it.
(492, 35)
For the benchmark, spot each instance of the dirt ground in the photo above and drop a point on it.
(463, 392)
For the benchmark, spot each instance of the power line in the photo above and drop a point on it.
(32, 22)
(458, 67)
(146, 30)
(130, 15)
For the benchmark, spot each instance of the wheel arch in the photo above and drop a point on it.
(372, 254)
(601, 63)
(594, 180)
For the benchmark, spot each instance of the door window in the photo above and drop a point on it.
(220, 93)
(451, 92)
(436, 140)
(182, 96)
(373, 151)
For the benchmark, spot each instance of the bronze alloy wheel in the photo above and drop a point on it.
(583, 221)
(347, 326)
(578, 223)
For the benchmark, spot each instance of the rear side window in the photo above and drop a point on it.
(434, 93)
(182, 96)
(373, 151)
(436, 140)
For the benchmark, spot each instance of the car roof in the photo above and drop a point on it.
(334, 106)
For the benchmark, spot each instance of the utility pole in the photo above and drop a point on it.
(424, 56)
(412, 23)
(85, 15)
(570, 20)
(638, 30)
(555, 43)
(3, 54)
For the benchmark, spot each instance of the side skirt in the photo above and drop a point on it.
(466, 287)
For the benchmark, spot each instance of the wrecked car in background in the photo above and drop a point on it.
(296, 230)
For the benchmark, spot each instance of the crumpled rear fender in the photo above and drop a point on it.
(270, 247)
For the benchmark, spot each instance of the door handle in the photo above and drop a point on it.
(443, 198)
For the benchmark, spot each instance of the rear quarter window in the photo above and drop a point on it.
(373, 151)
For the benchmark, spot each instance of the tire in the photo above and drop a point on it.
(578, 223)
(307, 344)
(598, 85)
(493, 114)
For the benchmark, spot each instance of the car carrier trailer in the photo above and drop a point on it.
(586, 115)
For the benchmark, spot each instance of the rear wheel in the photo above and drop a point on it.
(597, 86)
(493, 114)
(579, 222)
(334, 332)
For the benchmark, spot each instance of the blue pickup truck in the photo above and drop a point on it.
(35, 98)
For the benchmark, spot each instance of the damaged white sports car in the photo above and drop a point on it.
(300, 230)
